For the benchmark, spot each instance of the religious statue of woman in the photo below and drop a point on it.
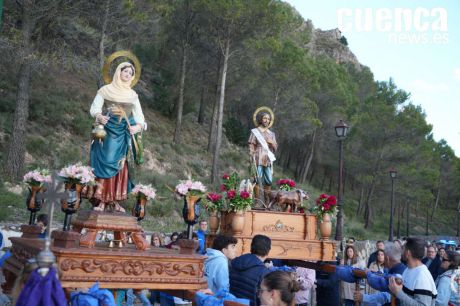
(117, 107)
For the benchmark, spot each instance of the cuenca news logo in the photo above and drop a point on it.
(402, 25)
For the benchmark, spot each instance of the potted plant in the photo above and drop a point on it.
(191, 191)
(35, 181)
(239, 202)
(326, 206)
(214, 203)
(75, 177)
(143, 194)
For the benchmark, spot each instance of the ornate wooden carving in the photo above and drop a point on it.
(129, 267)
(278, 227)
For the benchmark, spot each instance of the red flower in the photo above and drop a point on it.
(291, 183)
(322, 197)
(326, 206)
(301, 210)
(214, 197)
(223, 188)
(331, 200)
(231, 194)
(226, 176)
(244, 194)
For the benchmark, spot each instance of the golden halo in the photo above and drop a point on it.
(268, 110)
(123, 53)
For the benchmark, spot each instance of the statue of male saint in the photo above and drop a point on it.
(262, 145)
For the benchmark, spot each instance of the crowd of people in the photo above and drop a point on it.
(410, 272)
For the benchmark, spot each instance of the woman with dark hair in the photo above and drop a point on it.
(278, 288)
(445, 282)
(351, 258)
(173, 241)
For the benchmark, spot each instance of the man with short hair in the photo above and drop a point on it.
(418, 287)
(247, 270)
(373, 257)
(432, 261)
(216, 265)
(201, 233)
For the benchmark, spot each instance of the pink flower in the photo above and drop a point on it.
(231, 194)
(291, 183)
(244, 194)
(226, 176)
(223, 188)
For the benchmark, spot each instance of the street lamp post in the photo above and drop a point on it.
(393, 173)
(341, 129)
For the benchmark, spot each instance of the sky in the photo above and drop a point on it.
(417, 43)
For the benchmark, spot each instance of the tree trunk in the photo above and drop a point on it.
(17, 147)
(213, 126)
(368, 210)
(360, 203)
(180, 105)
(427, 221)
(204, 89)
(304, 171)
(215, 157)
(436, 202)
(100, 79)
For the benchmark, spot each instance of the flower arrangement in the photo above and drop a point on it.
(214, 202)
(325, 204)
(146, 191)
(37, 177)
(239, 201)
(285, 184)
(190, 188)
(78, 174)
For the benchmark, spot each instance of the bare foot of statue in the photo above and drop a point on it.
(117, 207)
(100, 207)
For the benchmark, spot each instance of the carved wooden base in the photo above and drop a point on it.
(30, 231)
(130, 268)
(126, 267)
(187, 246)
(293, 235)
(119, 223)
(65, 239)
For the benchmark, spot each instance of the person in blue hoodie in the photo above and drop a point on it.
(201, 233)
(216, 265)
(247, 270)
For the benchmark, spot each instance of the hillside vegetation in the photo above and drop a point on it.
(206, 66)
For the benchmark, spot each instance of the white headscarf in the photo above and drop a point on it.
(119, 91)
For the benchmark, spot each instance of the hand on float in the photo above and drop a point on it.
(358, 296)
(102, 119)
(395, 285)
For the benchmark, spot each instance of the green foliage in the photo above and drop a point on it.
(236, 132)
(343, 41)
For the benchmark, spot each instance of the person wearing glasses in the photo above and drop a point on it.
(278, 288)
(444, 282)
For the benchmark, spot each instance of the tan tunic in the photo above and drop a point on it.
(258, 152)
